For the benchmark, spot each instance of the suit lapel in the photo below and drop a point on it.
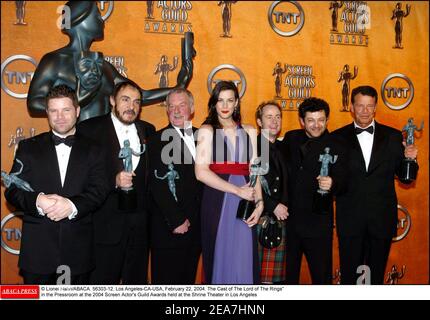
(49, 159)
(274, 157)
(113, 143)
(141, 132)
(379, 140)
(76, 158)
(182, 147)
(187, 153)
(355, 146)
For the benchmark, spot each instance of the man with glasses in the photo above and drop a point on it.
(366, 212)
(121, 236)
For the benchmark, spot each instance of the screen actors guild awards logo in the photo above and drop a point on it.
(167, 17)
(355, 17)
(397, 91)
(150, 9)
(18, 136)
(399, 14)
(335, 6)
(336, 277)
(346, 76)
(226, 12)
(394, 275)
(299, 81)
(118, 63)
(278, 71)
(163, 68)
(20, 13)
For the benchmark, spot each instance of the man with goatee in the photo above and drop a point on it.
(121, 236)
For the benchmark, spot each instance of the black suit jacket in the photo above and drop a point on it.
(302, 156)
(109, 221)
(276, 177)
(46, 244)
(166, 213)
(369, 202)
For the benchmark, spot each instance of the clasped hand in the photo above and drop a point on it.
(54, 207)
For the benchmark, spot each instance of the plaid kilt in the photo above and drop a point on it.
(272, 261)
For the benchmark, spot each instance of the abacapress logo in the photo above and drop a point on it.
(19, 292)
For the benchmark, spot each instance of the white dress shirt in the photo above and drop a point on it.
(188, 139)
(128, 132)
(366, 142)
(63, 155)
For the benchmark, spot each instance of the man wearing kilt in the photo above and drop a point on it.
(274, 183)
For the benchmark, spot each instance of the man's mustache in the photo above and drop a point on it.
(130, 112)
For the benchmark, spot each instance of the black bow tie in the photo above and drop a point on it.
(68, 141)
(360, 130)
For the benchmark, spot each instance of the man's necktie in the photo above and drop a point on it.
(68, 141)
(360, 130)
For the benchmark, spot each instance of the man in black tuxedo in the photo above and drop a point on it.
(121, 236)
(269, 119)
(309, 228)
(175, 195)
(366, 213)
(67, 175)
(274, 182)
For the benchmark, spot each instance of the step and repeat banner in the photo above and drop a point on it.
(273, 50)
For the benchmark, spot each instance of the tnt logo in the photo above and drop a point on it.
(404, 223)
(397, 91)
(227, 72)
(16, 74)
(286, 17)
(106, 8)
(11, 232)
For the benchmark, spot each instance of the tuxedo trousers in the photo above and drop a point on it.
(125, 262)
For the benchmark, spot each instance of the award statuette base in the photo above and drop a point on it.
(245, 209)
(321, 202)
(409, 170)
(127, 200)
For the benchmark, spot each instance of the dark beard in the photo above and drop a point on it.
(121, 119)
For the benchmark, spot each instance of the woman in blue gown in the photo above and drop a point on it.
(224, 151)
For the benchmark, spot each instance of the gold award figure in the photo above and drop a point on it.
(399, 14)
(346, 76)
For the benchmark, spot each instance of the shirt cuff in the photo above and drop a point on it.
(74, 210)
(39, 209)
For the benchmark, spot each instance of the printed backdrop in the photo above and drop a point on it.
(281, 50)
